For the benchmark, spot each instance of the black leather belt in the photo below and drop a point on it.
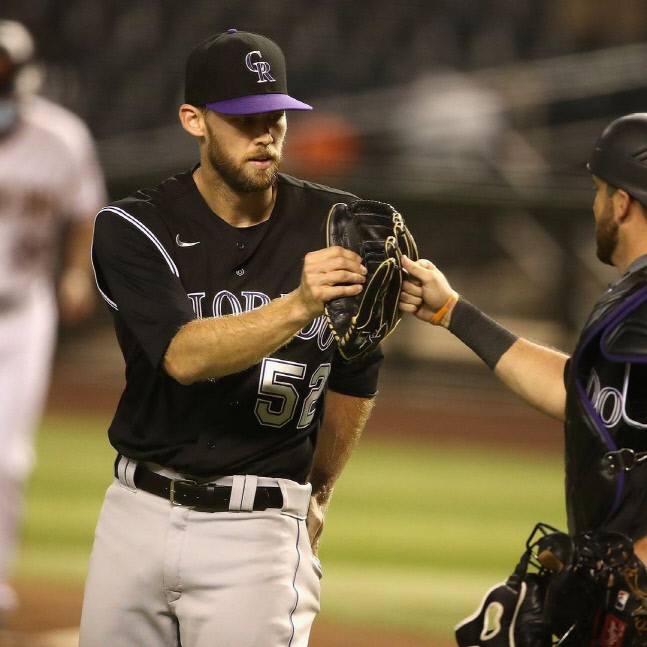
(212, 498)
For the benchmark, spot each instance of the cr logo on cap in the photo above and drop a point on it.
(262, 68)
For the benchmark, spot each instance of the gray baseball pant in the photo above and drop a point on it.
(162, 575)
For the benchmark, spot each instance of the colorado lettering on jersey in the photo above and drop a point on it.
(607, 401)
(610, 402)
(227, 303)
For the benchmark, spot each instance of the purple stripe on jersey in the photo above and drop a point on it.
(629, 305)
(632, 303)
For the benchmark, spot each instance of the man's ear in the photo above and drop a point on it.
(192, 120)
(621, 204)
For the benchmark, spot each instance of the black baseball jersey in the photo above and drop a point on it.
(163, 258)
(606, 410)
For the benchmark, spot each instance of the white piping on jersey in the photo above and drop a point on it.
(625, 390)
(111, 303)
(126, 216)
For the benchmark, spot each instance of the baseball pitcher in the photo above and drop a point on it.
(239, 411)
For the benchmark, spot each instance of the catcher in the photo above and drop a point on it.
(599, 393)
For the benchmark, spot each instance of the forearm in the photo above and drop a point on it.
(344, 421)
(211, 348)
(214, 347)
(532, 371)
(536, 374)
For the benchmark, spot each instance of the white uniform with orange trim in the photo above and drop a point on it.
(49, 176)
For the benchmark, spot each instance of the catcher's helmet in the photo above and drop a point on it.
(620, 155)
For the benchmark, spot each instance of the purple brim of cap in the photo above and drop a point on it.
(258, 103)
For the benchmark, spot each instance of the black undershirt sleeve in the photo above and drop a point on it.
(357, 378)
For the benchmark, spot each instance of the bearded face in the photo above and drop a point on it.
(251, 170)
(606, 232)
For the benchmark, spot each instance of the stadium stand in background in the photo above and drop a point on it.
(465, 114)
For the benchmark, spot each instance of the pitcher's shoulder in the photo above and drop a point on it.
(315, 190)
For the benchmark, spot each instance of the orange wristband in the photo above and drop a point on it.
(449, 304)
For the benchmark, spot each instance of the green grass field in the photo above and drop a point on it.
(414, 537)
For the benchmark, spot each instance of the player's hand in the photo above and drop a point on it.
(426, 290)
(328, 274)
(315, 523)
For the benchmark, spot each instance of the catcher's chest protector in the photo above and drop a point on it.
(615, 334)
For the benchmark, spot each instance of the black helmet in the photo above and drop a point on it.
(620, 155)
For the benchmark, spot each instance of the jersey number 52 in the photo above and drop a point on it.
(278, 398)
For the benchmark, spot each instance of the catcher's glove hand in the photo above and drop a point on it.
(375, 231)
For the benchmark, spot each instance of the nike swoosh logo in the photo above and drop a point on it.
(183, 244)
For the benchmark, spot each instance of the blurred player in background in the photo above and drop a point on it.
(51, 186)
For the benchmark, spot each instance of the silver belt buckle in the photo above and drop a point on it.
(172, 491)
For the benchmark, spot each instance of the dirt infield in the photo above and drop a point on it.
(45, 607)
(48, 616)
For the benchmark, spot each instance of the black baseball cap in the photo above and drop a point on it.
(238, 73)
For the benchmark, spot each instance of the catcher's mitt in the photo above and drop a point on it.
(375, 231)
(590, 589)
